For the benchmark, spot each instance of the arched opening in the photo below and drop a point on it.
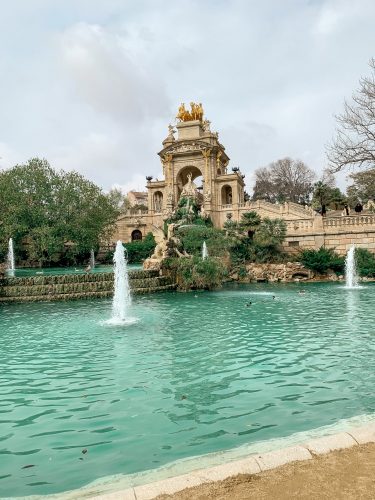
(158, 201)
(226, 195)
(218, 171)
(182, 178)
(136, 235)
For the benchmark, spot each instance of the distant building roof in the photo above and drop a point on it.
(137, 197)
(138, 194)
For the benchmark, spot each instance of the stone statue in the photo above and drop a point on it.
(199, 110)
(206, 153)
(218, 158)
(189, 189)
(194, 111)
(171, 131)
(170, 198)
(206, 126)
(203, 213)
(181, 112)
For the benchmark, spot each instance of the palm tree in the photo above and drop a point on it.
(271, 232)
(250, 222)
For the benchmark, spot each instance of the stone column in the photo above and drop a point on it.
(169, 181)
(207, 180)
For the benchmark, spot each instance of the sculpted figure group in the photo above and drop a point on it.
(196, 112)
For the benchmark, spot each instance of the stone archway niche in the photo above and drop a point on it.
(158, 201)
(226, 195)
(182, 177)
(136, 235)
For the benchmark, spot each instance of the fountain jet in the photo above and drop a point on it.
(92, 259)
(351, 276)
(121, 298)
(204, 251)
(10, 260)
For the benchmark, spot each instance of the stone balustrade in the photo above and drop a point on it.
(351, 220)
(300, 225)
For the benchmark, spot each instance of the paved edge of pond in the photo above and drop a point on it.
(253, 464)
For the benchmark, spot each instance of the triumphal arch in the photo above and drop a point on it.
(193, 151)
(192, 155)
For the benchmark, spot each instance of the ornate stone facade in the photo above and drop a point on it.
(193, 153)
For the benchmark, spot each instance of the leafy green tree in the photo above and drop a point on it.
(139, 250)
(117, 198)
(52, 215)
(324, 194)
(363, 187)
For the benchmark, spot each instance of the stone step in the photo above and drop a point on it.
(74, 278)
(83, 295)
(21, 290)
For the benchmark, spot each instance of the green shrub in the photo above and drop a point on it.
(322, 260)
(196, 273)
(365, 262)
(139, 250)
(192, 238)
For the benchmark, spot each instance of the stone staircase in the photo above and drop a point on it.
(78, 286)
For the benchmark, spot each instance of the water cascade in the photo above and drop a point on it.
(10, 260)
(204, 251)
(350, 270)
(121, 298)
(92, 259)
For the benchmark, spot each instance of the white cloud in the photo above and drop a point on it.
(108, 78)
(93, 85)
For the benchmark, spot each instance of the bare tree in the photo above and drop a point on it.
(354, 144)
(284, 180)
(328, 178)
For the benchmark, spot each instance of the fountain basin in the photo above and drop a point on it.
(199, 373)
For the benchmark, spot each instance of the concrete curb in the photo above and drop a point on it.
(250, 465)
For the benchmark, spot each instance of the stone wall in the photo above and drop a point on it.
(285, 272)
(77, 286)
(338, 233)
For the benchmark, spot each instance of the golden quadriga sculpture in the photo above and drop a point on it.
(196, 112)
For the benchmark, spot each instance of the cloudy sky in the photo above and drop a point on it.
(92, 85)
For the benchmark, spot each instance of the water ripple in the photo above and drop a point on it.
(195, 375)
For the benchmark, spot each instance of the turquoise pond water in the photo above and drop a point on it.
(48, 271)
(198, 373)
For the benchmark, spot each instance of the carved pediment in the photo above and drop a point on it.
(186, 147)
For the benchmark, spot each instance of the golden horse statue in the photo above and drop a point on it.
(196, 112)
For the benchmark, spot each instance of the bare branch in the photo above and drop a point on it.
(354, 143)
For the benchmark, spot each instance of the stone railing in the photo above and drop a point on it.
(264, 205)
(282, 209)
(296, 208)
(351, 220)
(81, 286)
(298, 225)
